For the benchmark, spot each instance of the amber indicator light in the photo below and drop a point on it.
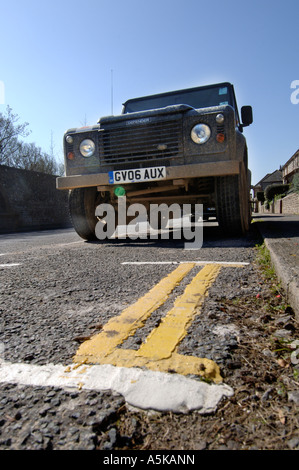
(220, 137)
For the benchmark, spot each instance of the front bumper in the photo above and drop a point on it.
(197, 170)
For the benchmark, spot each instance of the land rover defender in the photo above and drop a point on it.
(184, 147)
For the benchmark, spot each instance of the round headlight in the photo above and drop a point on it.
(200, 133)
(87, 148)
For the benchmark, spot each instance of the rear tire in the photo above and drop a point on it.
(82, 206)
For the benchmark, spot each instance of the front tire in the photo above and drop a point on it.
(232, 203)
(82, 206)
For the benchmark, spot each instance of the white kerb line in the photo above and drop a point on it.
(224, 263)
(9, 265)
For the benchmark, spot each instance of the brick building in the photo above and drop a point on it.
(290, 168)
(270, 178)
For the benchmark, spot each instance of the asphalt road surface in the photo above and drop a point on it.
(89, 330)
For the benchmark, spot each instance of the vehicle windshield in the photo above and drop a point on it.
(196, 97)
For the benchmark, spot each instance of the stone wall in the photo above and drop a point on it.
(286, 205)
(290, 204)
(30, 201)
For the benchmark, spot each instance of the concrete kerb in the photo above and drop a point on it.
(289, 283)
(283, 245)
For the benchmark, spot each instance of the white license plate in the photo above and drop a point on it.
(138, 175)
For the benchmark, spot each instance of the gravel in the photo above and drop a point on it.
(37, 418)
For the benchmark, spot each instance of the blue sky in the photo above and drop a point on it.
(56, 60)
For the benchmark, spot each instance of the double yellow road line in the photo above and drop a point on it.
(158, 352)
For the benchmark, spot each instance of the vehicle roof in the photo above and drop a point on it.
(185, 90)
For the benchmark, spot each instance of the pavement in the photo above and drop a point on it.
(147, 389)
(281, 236)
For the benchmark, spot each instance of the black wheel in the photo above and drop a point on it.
(232, 203)
(82, 206)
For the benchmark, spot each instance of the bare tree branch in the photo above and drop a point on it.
(16, 153)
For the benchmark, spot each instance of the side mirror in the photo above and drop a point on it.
(246, 114)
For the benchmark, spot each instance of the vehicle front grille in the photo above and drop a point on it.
(141, 142)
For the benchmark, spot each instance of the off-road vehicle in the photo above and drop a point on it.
(184, 147)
